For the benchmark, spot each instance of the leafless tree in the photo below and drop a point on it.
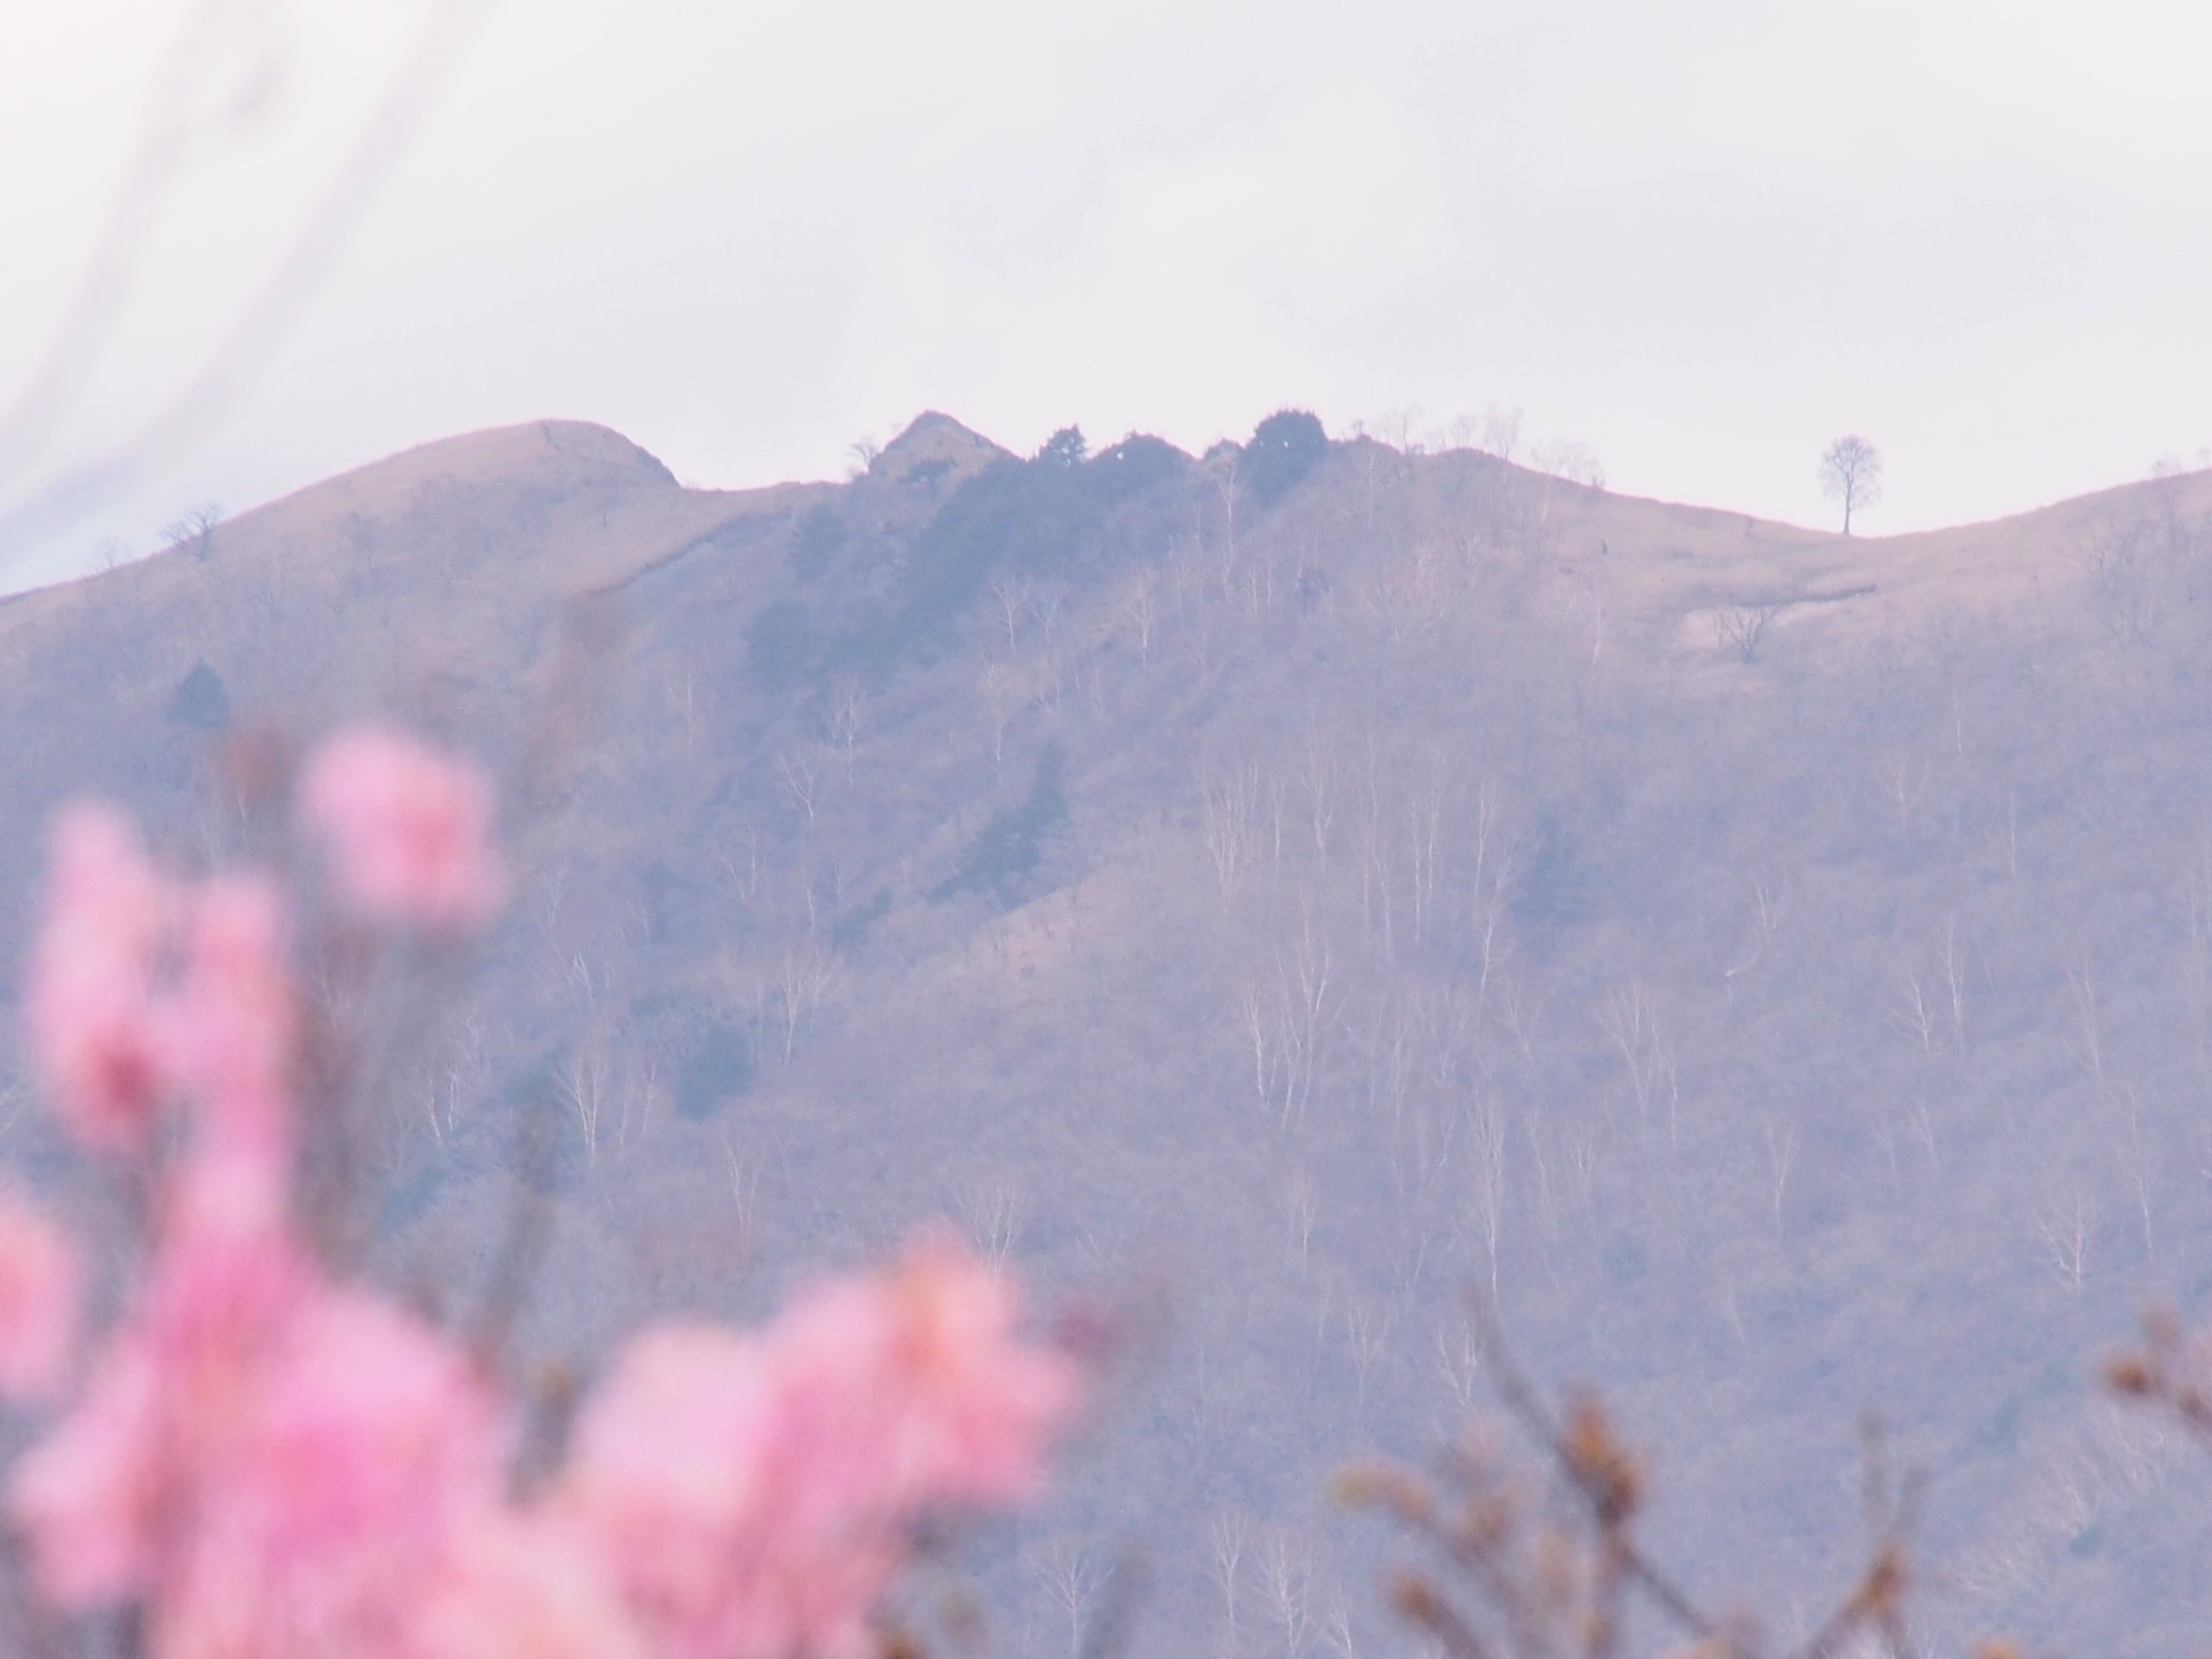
(798, 986)
(1013, 593)
(1367, 1331)
(1850, 473)
(1302, 1204)
(1140, 607)
(1522, 1577)
(585, 1079)
(1461, 431)
(800, 773)
(2134, 1163)
(1501, 433)
(1630, 1019)
(1229, 489)
(450, 1084)
(684, 692)
(1260, 1031)
(740, 859)
(195, 532)
(992, 1212)
(1487, 1143)
(1336, 1626)
(2066, 1228)
(644, 1101)
(1070, 1579)
(1953, 962)
(1231, 804)
(1397, 427)
(848, 712)
(1569, 458)
(1491, 882)
(1914, 1013)
(1459, 1360)
(1001, 684)
(1781, 1154)
(744, 1175)
(1426, 802)
(1742, 628)
(1288, 1568)
(1225, 1536)
(1287, 1027)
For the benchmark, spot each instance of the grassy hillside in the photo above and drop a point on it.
(1288, 890)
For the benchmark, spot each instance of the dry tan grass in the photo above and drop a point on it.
(1678, 566)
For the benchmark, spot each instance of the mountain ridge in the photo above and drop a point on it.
(1664, 555)
(1772, 965)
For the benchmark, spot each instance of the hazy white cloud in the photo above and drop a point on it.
(1703, 235)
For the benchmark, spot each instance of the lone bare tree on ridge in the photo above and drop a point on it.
(1851, 471)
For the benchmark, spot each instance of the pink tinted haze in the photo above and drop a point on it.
(410, 829)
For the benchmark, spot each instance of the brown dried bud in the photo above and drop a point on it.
(1604, 1466)
(1884, 1587)
(1487, 1523)
(2128, 1373)
(1375, 1484)
(1417, 1599)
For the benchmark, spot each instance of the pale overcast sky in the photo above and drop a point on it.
(1704, 236)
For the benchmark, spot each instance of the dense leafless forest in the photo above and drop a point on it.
(1285, 891)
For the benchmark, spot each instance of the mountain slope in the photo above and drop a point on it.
(1777, 967)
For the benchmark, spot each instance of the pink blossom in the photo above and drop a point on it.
(731, 1521)
(231, 1025)
(409, 828)
(520, 1586)
(368, 1424)
(99, 1499)
(921, 1374)
(87, 1497)
(91, 1000)
(321, 1523)
(274, 1464)
(984, 1405)
(223, 1290)
(754, 1496)
(668, 1473)
(40, 1280)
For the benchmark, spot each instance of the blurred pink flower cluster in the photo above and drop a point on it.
(264, 1459)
